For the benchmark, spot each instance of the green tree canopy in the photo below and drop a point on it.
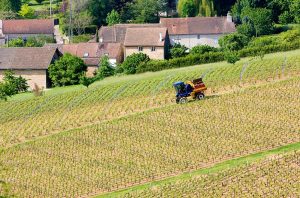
(26, 12)
(113, 18)
(10, 5)
(105, 68)
(133, 61)
(233, 42)
(67, 70)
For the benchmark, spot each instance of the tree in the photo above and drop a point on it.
(81, 21)
(99, 10)
(86, 81)
(26, 12)
(113, 18)
(178, 51)
(187, 8)
(133, 61)
(201, 49)
(10, 5)
(67, 70)
(233, 42)
(147, 11)
(295, 10)
(261, 18)
(206, 8)
(105, 68)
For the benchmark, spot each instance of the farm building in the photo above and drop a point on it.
(151, 41)
(25, 28)
(193, 31)
(91, 53)
(30, 63)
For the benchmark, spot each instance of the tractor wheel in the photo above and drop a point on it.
(200, 96)
(183, 100)
(177, 100)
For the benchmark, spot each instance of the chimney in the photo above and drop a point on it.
(229, 17)
(101, 40)
(160, 37)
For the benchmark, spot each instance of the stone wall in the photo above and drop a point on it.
(33, 76)
(158, 54)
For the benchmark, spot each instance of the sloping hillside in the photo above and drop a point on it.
(25, 118)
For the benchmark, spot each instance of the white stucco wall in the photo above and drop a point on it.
(191, 41)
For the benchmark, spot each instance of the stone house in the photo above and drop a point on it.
(152, 41)
(91, 53)
(30, 63)
(120, 32)
(193, 31)
(12, 29)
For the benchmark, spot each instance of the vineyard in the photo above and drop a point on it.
(155, 144)
(27, 119)
(274, 177)
(127, 131)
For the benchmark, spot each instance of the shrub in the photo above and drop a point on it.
(86, 81)
(18, 42)
(81, 38)
(133, 61)
(67, 70)
(232, 57)
(105, 69)
(157, 65)
(201, 49)
(26, 12)
(233, 42)
(178, 51)
(12, 85)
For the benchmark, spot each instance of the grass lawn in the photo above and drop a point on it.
(45, 5)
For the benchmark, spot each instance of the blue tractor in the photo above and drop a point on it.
(194, 89)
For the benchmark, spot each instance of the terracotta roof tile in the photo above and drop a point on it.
(145, 36)
(28, 26)
(198, 25)
(116, 33)
(26, 58)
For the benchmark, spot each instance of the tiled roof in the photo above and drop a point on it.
(28, 26)
(87, 51)
(116, 33)
(113, 50)
(154, 36)
(82, 49)
(26, 58)
(198, 25)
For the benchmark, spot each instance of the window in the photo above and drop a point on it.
(153, 49)
(85, 55)
(198, 36)
(140, 49)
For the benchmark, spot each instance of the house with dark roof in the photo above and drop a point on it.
(30, 63)
(193, 31)
(25, 28)
(152, 41)
(91, 53)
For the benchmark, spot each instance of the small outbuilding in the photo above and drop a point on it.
(30, 63)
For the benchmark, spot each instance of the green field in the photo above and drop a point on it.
(127, 131)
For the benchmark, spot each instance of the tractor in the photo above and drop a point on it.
(194, 89)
